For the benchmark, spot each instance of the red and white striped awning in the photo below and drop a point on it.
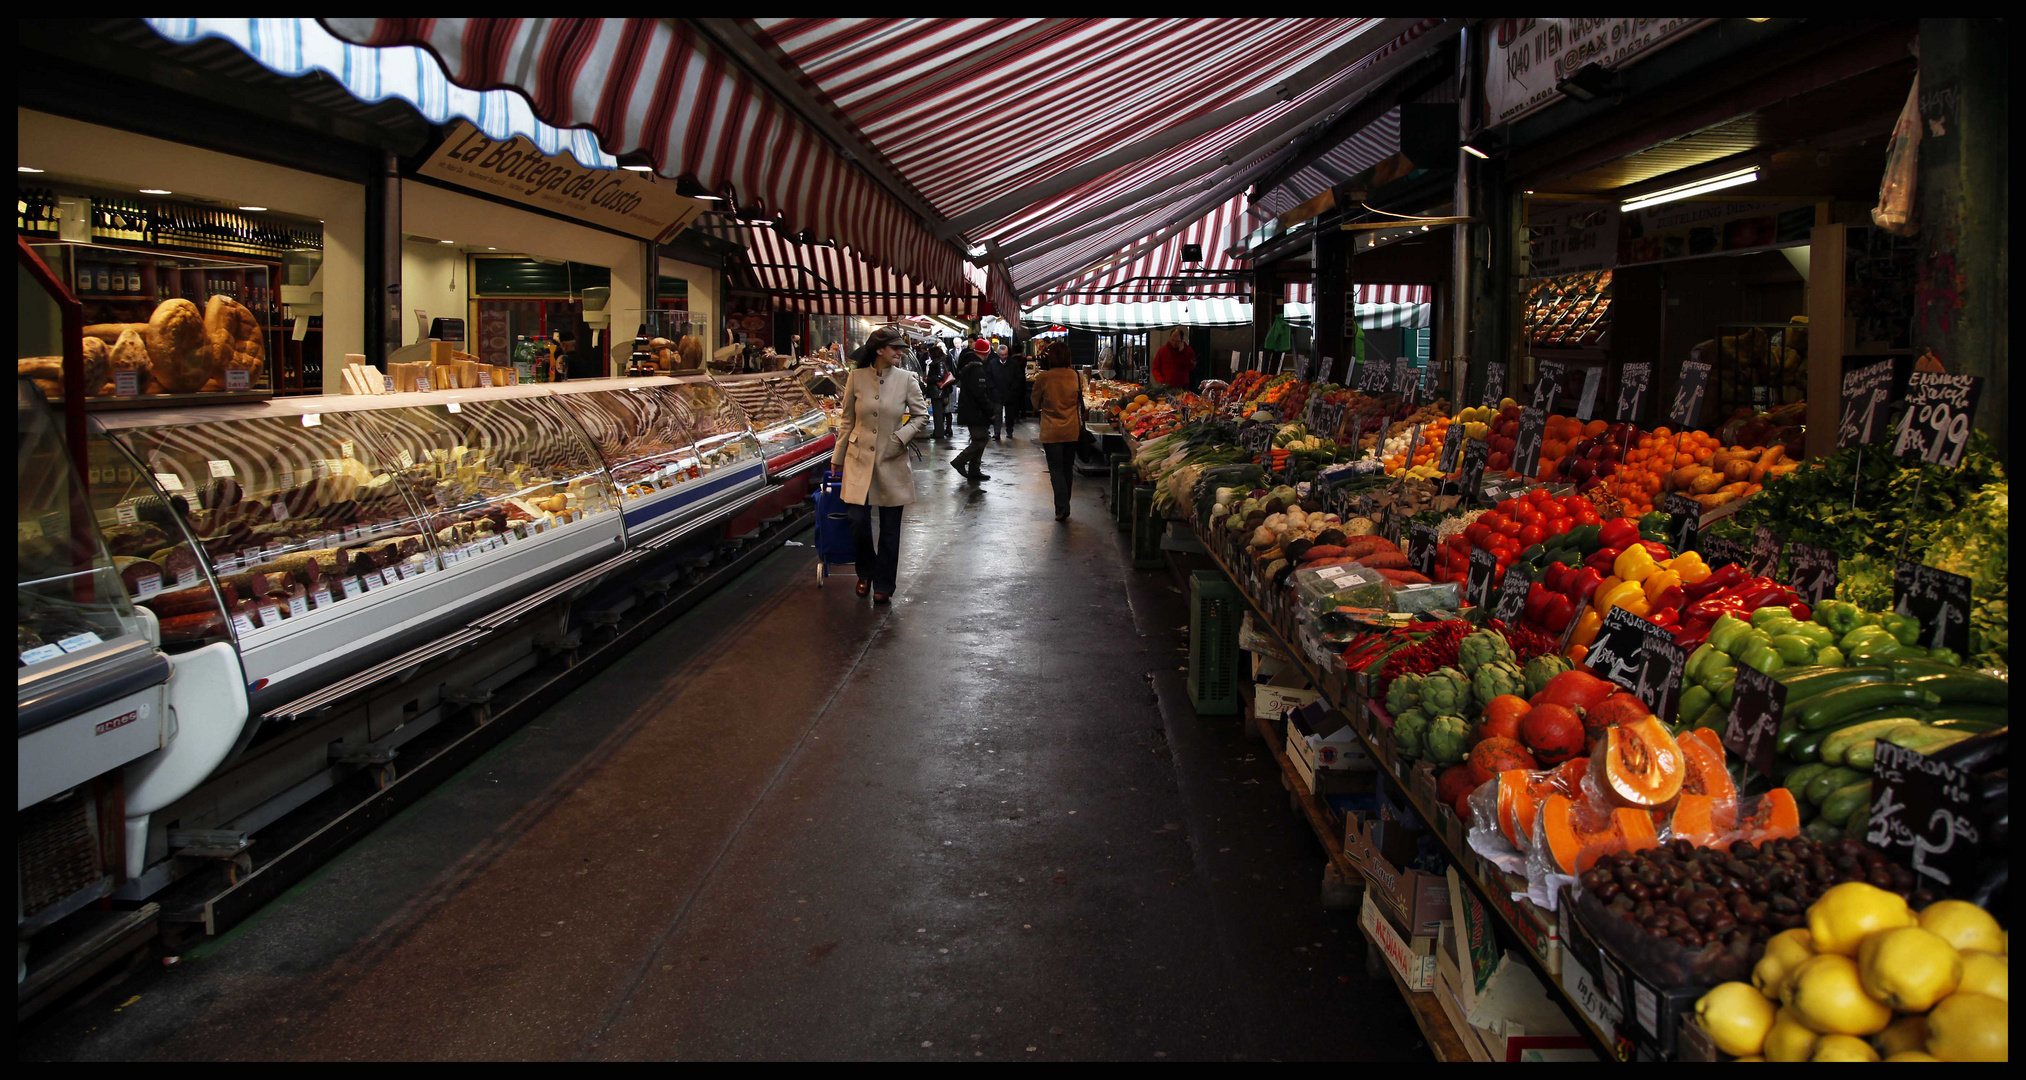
(817, 280)
(1149, 276)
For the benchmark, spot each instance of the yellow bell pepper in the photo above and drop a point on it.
(1635, 563)
(1621, 595)
(1605, 586)
(1634, 603)
(1690, 566)
(1586, 628)
(1658, 582)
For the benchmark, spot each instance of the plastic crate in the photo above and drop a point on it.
(1122, 495)
(1147, 524)
(1215, 609)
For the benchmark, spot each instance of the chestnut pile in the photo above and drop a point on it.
(1706, 913)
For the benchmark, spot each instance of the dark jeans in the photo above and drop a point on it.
(1061, 466)
(1012, 410)
(939, 413)
(966, 460)
(882, 565)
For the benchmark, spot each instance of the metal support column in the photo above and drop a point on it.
(383, 260)
(1330, 348)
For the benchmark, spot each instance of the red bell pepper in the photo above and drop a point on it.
(1801, 610)
(1556, 612)
(1722, 578)
(1587, 581)
(1537, 597)
(1618, 533)
(1662, 617)
(1656, 549)
(1557, 577)
(1671, 598)
(1709, 608)
(1601, 559)
(1688, 635)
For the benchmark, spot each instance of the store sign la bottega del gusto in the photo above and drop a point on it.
(518, 171)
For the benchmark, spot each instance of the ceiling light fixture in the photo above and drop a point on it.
(446, 241)
(1475, 152)
(156, 191)
(253, 209)
(638, 168)
(1700, 187)
(26, 168)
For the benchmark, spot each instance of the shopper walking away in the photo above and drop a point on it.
(975, 410)
(1058, 399)
(883, 412)
(936, 387)
(1175, 363)
(1009, 378)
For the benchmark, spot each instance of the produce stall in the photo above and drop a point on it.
(1715, 736)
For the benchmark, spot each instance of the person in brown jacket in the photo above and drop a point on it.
(1058, 397)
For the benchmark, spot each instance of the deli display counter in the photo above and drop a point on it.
(793, 429)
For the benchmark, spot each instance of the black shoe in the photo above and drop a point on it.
(979, 478)
(958, 466)
(1064, 516)
(881, 598)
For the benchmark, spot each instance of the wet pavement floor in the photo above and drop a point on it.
(982, 823)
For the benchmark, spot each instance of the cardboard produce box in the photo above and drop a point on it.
(1289, 689)
(1418, 901)
(1412, 957)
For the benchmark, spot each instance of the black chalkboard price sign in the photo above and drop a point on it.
(1256, 438)
(1689, 392)
(1939, 411)
(1494, 385)
(1477, 584)
(1866, 389)
(1756, 707)
(1512, 595)
(1404, 381)
(1766, 546)
(1938, 600)
(1526, 450)
(1586, 402)
(1814, 571)
(1422, 547)
(1718, 552)
(1684, 521)
(1621, 654)
(1375, 376)
(1633, 381)
(1925, 813)
(1452, 448)
(1548, 385)
(1475, 453)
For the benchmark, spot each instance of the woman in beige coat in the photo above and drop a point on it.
(883, 410)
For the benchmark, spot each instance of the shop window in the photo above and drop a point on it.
(520, 304)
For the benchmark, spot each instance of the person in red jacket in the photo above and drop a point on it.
(1175, 364)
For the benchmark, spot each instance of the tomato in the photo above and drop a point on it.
(1527, 514)
(1508, 507)
(1530, 536)
(1587, 515)
(1553, 510)
(1510, 528)
(1560, 526)
(1539, 496)
(1490, 519)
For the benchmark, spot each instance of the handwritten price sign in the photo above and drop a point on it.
(1939, 411)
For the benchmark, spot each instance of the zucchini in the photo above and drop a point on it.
(1822, 830)
(1786, 676)
(1808, 747)
(1841, 740)
(1959, 723)
(1797, 778)
(1789, 731)
(1829, 783)
(1824, 709)
(1924, 739)
(1822, 680)
(1858, 825)
(1964, 687)
(1843, 800)
(1907, 667)
(1861, 754)
(1983, 714)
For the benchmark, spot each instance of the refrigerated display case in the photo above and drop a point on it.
(791, 426)
(649, 433)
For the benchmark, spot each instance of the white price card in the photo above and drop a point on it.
(387, 381)
(79, 641)
(276, 549)
(321, 595)
(238, 379)
(407, 459)
(242, 624)
(298, 606)
(351, 584)
(320, 468)
(226, 563)
(422, 383)
(288, 478)
(387, 577)
(484, 378)
(148, 585)
(187, 577)
(220, 468)
(270, 612)
(169, 481)
(126, 384)
(127, 515)
(278, 509)
(405, 569)
(40, 653)
(345, 449)
(251, 557)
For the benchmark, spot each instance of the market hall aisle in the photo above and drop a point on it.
(796, 826)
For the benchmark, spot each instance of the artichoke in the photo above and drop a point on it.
(1409, 729)
(1498, 677)
(1542, 668)
(1445, 690)
(1481, 648)
(1403, 694)
(1448, 740)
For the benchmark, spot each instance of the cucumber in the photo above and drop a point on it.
(1841, 740)
(1809, 746)
(1786, 676)
(1820, 680)
(1959, 723)
(1924, 739)
(1849, 797)
(1788, 732)
(1829, 783)
(1961, 687)
(1858, 824)
(1797, 779)
(1824, 709)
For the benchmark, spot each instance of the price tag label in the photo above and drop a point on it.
(1718, 552)
(484, 377)
(344, 450)
(1689, 392)
(1475, 453)
(126, 515)
(1766, 547)
(351, 586)
(1924, 813)
(1452, 448)
(1374, 376)
(169, 481)
(225, 563)
(298, 606)
(1421, 547)
(278, 510)
(1403, 377)
(320, 468)
(276, 549)
(238, 379)
(252, 556)
(1865, 390)
(1512, 596)
(1757, 703)
(75, 642)
(40, 653)
(1938, 600)
(126, 384)
(1586, 405)
(1526, 451)
(1633, 382)
(1494, 385)
(1477, 584)
(406, 458)
(287, 479)
(186, 577)
(1548, 385)
(1939, 412)
(147, 585)
(332, 539)
(242, 623)
(270, 612)
(384, 576)
(320, 595)
(220, 468)
(386, 384)
(1256, 438)
(405, 569)
(1684, 521)
(422, 383)
(1813, 572)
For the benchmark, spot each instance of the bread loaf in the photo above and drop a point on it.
(179, 351)
(96, 358)
(128, 353)
(110, 332)
(236, 340)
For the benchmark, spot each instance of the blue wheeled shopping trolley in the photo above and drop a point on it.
(834, 546)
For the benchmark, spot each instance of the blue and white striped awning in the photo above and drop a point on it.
(299, 46)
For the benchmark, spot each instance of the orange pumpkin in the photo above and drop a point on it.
(1578, 835)
(1776, 817)
(1639, 765)
(1703, 757)
(1502, 716)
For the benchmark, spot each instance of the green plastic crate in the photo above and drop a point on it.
(1215, 609)
(1147, 524)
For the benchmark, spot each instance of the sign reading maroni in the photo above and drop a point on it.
(517, 170)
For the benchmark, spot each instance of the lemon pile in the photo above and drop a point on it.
(1869, 980)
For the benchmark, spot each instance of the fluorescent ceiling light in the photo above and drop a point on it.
(759, 221)
(25, 168)
(254, 209)
(446, 241)
(638, 168)
(492, 249)
(1475, 152)
(1700, 187)
(156, 191)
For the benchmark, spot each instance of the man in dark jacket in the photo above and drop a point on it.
(937, 393)
(1008, 377)
(975, 410)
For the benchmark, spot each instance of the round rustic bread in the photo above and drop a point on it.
(179, 351)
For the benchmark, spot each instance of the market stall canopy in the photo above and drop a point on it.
(1155, 269)
(817, 279)
(1378, 307)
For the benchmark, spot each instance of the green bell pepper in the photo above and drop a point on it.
(1822, 636)
(1945, 656)
(1694, 700)
(1763, 657)
(1725, 633)
(1718, 667)
(1724, 686)
(1586, 538)
(1904, 629)
(1831, 656)
(1784, 625)
(1862, 636)
(1697, 660)
(1876, 651)
(1794, 649)
(1761, 616)
(1840, 616)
